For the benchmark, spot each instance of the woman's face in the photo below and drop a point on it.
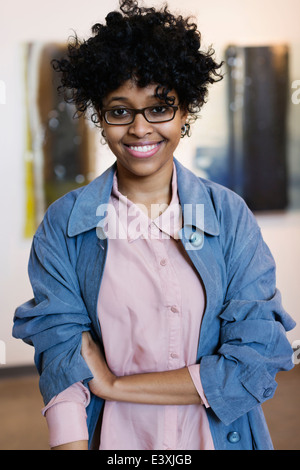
(142, 148)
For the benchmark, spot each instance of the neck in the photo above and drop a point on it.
(153, 189)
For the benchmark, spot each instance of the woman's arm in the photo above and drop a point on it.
(77, 445)
(174, 387)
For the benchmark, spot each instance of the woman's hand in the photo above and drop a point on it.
(172, 387)
(102, 383)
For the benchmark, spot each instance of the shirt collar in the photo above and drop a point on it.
(88, 207)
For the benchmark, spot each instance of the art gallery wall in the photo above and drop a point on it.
(221, 23)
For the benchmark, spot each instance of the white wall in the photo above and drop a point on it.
(221, 23)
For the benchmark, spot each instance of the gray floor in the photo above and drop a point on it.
(24, 428)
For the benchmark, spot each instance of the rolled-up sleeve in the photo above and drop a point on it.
(66, 415)
(53, 321)
(194, 371)
(253, 345)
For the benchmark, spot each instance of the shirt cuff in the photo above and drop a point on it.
(66, 415)
(66, 423)
(194, 371)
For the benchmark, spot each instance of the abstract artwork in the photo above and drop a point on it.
(255, 162)
(60, 148)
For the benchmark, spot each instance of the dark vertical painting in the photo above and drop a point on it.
(255, 162)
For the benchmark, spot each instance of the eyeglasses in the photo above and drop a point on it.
(152, 114)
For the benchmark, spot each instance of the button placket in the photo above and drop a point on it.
(174, 341)
(171, 291)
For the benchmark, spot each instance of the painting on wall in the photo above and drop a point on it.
(259, 161)
(60, 148)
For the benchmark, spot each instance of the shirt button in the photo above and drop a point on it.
(267, 393)
(196, 239)
(163, 262)
(174, 355)
(233, 437)
(174, 309)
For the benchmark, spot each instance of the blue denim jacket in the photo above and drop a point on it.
(242, 342)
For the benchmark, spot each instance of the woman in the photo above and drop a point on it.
(155, 311)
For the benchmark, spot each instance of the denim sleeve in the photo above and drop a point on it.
(253, 346)
(53, 321)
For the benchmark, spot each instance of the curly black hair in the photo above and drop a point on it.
(148, 45)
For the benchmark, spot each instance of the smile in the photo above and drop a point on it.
(144, 148)
(143, 151)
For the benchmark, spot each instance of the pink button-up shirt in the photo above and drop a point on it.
(150, 309)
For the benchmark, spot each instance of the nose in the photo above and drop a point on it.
(140, 126)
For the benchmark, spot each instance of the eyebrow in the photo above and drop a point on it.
(123, 98)
(117, 98)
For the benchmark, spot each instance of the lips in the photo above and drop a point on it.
(143, 150)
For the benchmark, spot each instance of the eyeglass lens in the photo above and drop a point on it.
(151, 114)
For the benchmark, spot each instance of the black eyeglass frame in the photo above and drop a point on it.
(139, 111)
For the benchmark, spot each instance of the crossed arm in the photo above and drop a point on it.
(174, 387)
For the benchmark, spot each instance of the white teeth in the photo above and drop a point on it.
(144, 148)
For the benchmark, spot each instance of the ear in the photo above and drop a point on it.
(99, 115)
(183, 116)
(100, 121)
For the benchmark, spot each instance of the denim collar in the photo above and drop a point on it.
(191, 190)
